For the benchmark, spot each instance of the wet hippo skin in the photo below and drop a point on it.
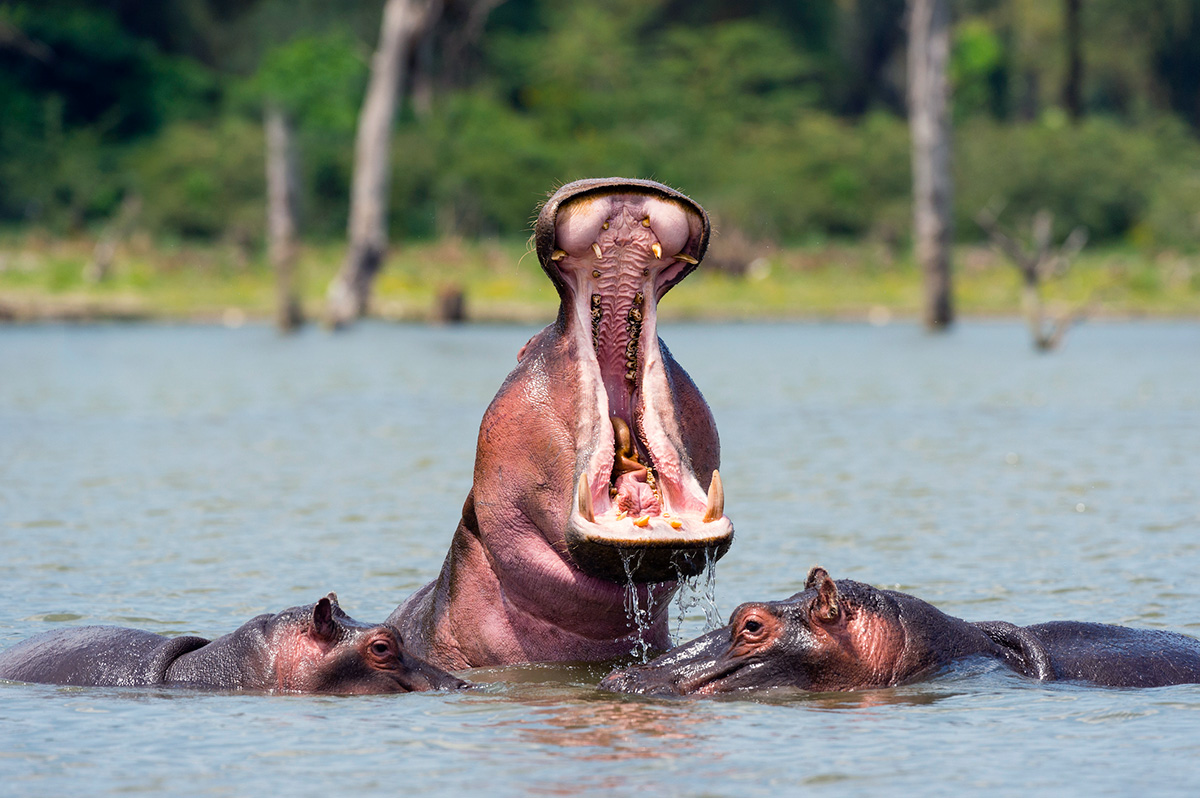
(847, 635)
(597, 460)
(312, 649)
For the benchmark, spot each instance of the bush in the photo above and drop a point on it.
(201, 180)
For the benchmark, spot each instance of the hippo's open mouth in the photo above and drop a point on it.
(614, 248)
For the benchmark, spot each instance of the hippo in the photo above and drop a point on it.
(311, 649)
(597, 461)
(846, 635)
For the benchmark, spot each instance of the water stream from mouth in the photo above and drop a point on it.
(698, 591)
(639, 618)
(695, 591)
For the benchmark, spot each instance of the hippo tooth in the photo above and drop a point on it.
(585, 499)
(596, 249)
(686, 258)
(642, 522)
(558, 255)
(716, 499)
(656, 248)
(646, 222)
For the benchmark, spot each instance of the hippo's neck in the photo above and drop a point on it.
(934, 639)
(236, 661)
(476, 616)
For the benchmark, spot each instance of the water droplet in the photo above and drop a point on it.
(1012, 458)
(1079, 508)
(639, 619)
(700, 591)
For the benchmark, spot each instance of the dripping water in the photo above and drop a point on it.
(697, 591)
(639, 619)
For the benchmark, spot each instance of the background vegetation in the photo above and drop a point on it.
(785, 119)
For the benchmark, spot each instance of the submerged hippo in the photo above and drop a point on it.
(845, 635)
(312, 649)
(596, 461)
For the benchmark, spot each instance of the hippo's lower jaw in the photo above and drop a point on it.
(657, 547)
(699, 667)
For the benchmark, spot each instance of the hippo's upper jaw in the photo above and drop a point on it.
(613, 248)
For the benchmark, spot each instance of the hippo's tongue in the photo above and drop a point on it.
(614, 253)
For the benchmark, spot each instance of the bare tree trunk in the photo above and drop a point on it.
(104, 255)
(403, 22)
(1036, 266)
(929, 123)
(1073, 87)
(281, 216)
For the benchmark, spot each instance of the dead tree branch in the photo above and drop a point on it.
(1037, 264)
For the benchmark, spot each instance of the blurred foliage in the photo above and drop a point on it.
(784, 118)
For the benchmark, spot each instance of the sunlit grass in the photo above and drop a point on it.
(502, 280)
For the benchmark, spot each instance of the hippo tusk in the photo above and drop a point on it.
(558, 255)
(686, 258)
(585, 499)
(656, 248)
(596, 249)
(716, 499)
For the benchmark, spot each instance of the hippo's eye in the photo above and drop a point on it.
(381, 648)
(754, 627)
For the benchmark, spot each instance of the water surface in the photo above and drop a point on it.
(183, 479)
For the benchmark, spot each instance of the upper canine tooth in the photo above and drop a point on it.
(686, 258)
(716, 499)
(596, 249)
(558, 254)
(585, 499)
(656, 248)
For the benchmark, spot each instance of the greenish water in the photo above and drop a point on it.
(183, 479)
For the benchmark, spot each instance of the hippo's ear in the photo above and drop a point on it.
(815, 576)
(324, 628)
(825, 607)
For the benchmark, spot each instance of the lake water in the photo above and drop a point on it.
(183, 479)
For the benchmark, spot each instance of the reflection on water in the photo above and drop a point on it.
(190, 478)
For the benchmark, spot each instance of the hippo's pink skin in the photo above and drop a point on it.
(534, 571)
(311, 649)
(845, 635)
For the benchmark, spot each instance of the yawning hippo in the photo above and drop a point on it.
(312, 649)
(845, 635)
(596, 461)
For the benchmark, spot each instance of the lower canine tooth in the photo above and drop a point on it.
(716, 499)
(686, 258)
(585, 499)
(642, 522)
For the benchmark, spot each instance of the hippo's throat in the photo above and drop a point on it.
(638, 508)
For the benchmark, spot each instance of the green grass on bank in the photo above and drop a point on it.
(42, 278)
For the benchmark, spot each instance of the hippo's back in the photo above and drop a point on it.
(1118, 656)
(94, 656)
